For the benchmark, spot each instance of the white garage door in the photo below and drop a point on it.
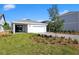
(36, 28)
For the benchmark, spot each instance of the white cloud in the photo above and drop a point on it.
(65, 11)
(9, 7)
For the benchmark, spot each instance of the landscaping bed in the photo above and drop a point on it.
(33, 44)
(54, 40)
(67, 32)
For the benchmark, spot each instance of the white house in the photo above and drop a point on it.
(2, 21)
(28, 26)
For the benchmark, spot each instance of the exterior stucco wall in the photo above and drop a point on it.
(31, 28)
(13, 28)
(25, 27)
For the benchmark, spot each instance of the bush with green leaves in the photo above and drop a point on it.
(6, 26)
(55, 26)
(75, 41)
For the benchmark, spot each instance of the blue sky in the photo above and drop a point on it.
(32, 11)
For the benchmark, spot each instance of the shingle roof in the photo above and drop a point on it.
(27, 21)
(70, 12)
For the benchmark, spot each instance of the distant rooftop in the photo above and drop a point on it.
(70, 12)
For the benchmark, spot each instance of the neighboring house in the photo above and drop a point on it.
(71, 21)
(28, 26)
(2, 22)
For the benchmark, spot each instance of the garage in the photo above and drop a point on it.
(28, 26)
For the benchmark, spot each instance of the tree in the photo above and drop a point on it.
(6, 26)
(56, 24)
(53, 12)
(50, 27)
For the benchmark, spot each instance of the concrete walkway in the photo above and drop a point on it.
(63, 35)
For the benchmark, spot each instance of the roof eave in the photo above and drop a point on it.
(27, 23)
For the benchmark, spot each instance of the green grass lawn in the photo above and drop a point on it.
(22, 44)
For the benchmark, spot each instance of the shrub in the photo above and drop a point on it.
(38, 35)
(59, 41)
(6, 26)
(50, 36)
(75, 41)
(70, 40)
(42, 35)
(46, 36)
(54, 38)
(52, 43)
(62, 37)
